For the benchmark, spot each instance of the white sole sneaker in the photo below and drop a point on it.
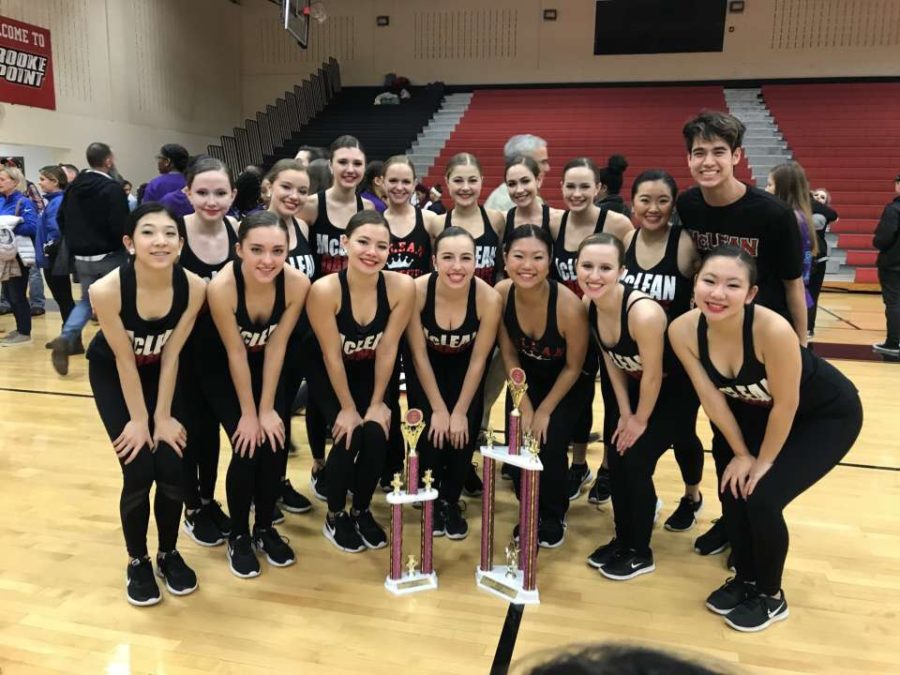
(329, 535)
(781, 616)
(189, 531)
(171, 590)
(251, 575)
(626, 577)
(140, 603)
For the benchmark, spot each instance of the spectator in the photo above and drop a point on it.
(36, 298)
(50, 255)
(372, 186)
(436, 204)
(177, 201)
(611, 177)
(887, 241)
(128, 188)
(421, 195)
(171, 162)
(823, 216)
(15, 204)
(320, 177)
(247, 200)
(72, 172)
(522, 144)
(308, 153)
(92, 220)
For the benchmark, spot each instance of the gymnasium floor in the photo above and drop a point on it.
(62, 605)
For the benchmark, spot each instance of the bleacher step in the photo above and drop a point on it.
(431, 140)
(764, 145)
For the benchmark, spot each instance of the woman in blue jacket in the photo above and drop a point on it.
(53, 182)
(14, 203)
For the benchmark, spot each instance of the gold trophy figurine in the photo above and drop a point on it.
(534, 448)
(397, 483)
(427, 479)
(411, 427)
(512, 560)
(411, 565)
(489, 441)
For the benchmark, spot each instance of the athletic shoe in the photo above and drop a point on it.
(15, 339)
(627, 564)
(385, 482)
(455, 524)
(438, 528)
(758, 612)
(292, 500)
(38, 311)
(713, 541)
(277, 515)
(579, 475)
(241, 557)
(371, 533)
(600, 493)
(729, 595)
(341, 532)
(604, 554)
(508, 472)
(59, 355)
(200, 527)
(730, 562)
(472, 485)
(219, 517)
(887, 348)
(685, 516)
(140, 586)
(551, 533)
(657, 510)
(268, 541)
(180, 579)
(317, 481)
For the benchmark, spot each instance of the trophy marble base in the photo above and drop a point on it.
(498, 582)
(412, 583)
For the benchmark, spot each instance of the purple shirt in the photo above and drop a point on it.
(162, 185)
(177, 202)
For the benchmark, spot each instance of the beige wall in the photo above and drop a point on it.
(506, 41)
(132, 73)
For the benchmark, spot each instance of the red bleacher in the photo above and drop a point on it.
(643, 124)
(846, 136)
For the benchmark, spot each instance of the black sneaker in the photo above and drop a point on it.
(180, 579)
(292, 500)
(219, 517)
(730, 562)
(140, 586)
(551, 533)
(317, 481)
(385, 482)
(627, 564)
(758, 612)
(604, 554)
(685, 516)
(371, 533)
(713, 541)
(455, 524)
(200, 527)
(277, 515)
(268, 541)
(729, 595)
(241, 557)
(887, 348)
(472, 485)
(438, 528)
(599, 493)
(579, 475)
(340, 531)
(507, 472)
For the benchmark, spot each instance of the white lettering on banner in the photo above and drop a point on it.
(22, 68)
(14, 33)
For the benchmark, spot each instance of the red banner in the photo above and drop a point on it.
(26, 65)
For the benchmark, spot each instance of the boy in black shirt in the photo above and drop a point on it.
(723, 210)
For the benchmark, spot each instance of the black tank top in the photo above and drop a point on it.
(563, 260)
(331, 256)
(256, 335)
(411, 254)
(511, 222)
(625, 354)
(148, 336)
(456, 341)
(664, 282)
(301, 256)
(544, 357)
(201, 268)
(358, 343)
(486, 245)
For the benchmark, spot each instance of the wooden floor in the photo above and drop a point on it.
(62, 606)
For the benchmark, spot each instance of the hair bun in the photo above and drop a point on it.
(616, 164)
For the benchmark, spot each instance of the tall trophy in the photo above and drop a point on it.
(411, 580)
(516, 581)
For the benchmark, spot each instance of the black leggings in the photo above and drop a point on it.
(581, 433)
(249, 479)
(610, 409)
(756, 526)
(687, 446)
(162, 466)
(816, 279)
(17, 296)
(554, 498)
(359, 466)
(61, 290)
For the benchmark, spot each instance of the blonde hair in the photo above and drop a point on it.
(17, 176)
(792, 187)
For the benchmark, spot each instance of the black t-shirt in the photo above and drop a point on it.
(759, 223)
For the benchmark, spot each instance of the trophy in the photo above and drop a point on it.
(411, 581)
(516, 581)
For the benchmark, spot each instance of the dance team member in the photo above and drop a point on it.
(788, 417)
(255, 303)
(544, 332)
(451, 336)
(209, 242)
(358, 316)
(146, 310)
(660, 260)
(523, 181)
